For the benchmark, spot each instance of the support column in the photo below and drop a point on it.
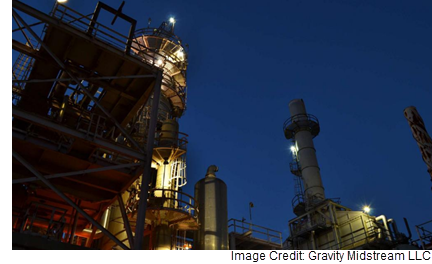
(142, 207)
(125, 221)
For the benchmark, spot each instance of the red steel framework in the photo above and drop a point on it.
(77, 89)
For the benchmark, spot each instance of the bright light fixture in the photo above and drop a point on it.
(62, 1)
(293, 149)
(172, 20)
(366, 209)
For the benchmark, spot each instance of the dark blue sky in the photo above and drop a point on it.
(357, 65)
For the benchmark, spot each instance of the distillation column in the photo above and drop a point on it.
(302, 128)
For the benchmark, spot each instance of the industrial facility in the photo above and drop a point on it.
(323, 223)
(100, 160)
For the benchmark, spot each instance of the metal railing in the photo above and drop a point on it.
(298, 200)
(164, 34)
(363, 236)
(119, 41)
(425, 235)
(301, 122)
(160, 32)
(44, 220)
(174, 142)
(306, 224)
(165, 199)
(256, 231)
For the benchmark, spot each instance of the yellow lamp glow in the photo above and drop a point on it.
(366, 209)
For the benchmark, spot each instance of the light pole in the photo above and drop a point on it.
(250, 214)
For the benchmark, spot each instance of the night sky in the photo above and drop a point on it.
(356, 64)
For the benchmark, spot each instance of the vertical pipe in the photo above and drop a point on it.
(393, 228)
(312, 239)
(142, 207)
(125, 220)
(408, 228)
(387, 231)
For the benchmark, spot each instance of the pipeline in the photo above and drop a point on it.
(384, 220)
(211, 171)
(408, 228)
(394, 228)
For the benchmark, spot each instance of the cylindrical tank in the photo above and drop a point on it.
(168, 139)
(211, 196)
(116, 225)
(310, 170)
(169, 133)
(162, 238)
(163, 179)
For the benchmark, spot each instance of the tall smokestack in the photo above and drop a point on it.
(302, 128)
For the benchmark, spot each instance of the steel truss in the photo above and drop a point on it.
(142, 155)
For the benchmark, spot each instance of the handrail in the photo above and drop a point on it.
(120, 41)
(180, 142)
(298, 199)
(236, 220)
(160, 32)
(300, 118)
(268, 233)
(425, 236)
(182, 204)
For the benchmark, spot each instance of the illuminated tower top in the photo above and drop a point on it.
(161, 48)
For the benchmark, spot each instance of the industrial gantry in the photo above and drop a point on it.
(98, 157)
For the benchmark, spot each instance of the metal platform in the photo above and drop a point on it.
(76, 91)
(247, 236)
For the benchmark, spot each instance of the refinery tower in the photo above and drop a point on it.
(98, 157)
(323, 223)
